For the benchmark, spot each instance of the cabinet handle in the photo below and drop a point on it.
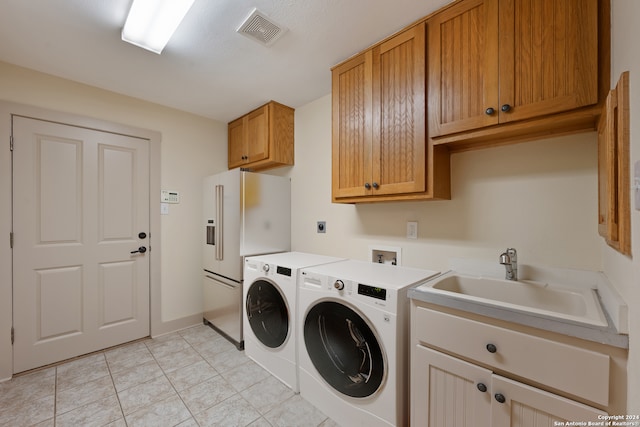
(375, 185)
(482, 387)
(367, 185)
(505, 108)
(489, 111)
(491, 348)
(500, 398)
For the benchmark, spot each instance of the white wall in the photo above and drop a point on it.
(539, 197)
(191, 148)
(625, 271)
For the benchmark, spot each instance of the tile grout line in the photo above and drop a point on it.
(124, 418)
(55, 396)
(173, 386)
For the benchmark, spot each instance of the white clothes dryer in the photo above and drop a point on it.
(353, 340)
(269, 311)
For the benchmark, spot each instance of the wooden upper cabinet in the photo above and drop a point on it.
(399, 122)
(237, 143)
(352, 132)
(262, 139)
(500, 61)
(614, 205)
(463, 67)
(379, 147)
(548, 56)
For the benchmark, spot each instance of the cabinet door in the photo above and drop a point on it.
(548, 56)
(463, 67)
(399, 155)
(351, 126)
(236, 143)
(258, 134)
(446, 391)
(526, 406)
(613, 168)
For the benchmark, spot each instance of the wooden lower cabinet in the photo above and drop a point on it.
(447, 391)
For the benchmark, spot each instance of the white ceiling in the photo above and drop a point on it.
(207, 68)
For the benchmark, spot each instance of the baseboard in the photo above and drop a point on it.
(176, 325)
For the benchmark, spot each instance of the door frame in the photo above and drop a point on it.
(7, 109)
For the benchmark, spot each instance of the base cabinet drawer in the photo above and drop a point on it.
(446, 391)
(560, 366)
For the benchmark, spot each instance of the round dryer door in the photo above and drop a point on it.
(267, 313)
(344, 349)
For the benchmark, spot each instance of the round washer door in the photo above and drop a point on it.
(267, 313)
(344, 349)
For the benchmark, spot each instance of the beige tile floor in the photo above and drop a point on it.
(189, 378)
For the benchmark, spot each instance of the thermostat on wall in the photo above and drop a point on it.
(167, 196)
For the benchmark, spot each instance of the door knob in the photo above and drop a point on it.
(141, 250)
(489, 111)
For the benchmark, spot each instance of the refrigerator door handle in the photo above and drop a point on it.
(219, 222)
(220, 282)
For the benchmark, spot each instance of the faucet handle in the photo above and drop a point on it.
(505, 259)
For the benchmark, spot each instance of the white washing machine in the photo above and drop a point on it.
(269, 311)
(353, 338)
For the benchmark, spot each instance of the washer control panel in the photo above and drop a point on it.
(284, 271)
(372, 291)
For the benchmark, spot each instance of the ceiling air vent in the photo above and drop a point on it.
(261, 29)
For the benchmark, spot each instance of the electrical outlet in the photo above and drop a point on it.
(412, 230)
(321, 227)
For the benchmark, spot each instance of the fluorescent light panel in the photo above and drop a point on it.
(151, 23)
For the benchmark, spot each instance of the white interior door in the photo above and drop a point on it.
(80, 202)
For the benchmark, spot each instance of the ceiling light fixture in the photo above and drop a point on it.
(151, 23)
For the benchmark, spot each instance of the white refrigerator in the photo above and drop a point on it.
(245, 213)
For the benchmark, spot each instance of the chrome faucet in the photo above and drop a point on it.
(509, 259)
